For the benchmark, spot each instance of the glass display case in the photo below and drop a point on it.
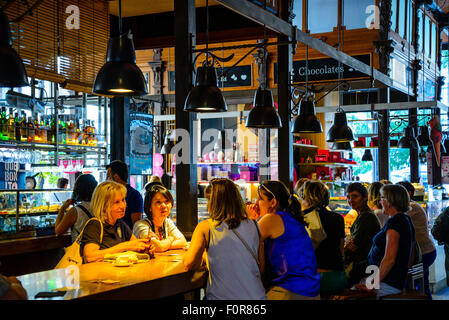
(27, 213)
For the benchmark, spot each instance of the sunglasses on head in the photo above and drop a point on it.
(152, 184)
(266, 189)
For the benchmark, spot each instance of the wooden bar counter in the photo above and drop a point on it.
(161, 277)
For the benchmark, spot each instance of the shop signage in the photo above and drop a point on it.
(325, 69)
(140, 143)
(12, 175)
(239, 76)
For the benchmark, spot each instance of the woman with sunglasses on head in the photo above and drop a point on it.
(158, 226)
(288, 247)
(231, 243)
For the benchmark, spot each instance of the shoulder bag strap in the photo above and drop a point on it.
(82, 230)
(247, 246)
(85, 210)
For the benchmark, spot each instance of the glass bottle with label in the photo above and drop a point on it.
(37, 132)
(31, 132)
(10, 124)
(4, 131)
(16, 127)
(23, 128)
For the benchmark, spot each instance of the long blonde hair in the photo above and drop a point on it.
(225, 203)
(102, 197)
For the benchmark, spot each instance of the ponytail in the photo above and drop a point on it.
(286, 201)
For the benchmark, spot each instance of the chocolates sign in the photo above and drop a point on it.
(325, 69)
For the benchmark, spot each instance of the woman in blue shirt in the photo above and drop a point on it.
(392, 246)
(288, 247)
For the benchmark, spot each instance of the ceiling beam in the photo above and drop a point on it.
(263, 17)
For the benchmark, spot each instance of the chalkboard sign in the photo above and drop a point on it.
(325, 69)
(238, 76)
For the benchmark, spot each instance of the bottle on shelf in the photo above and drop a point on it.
(71, 132)
(43, 130)
(16, 127)
(31, 132)
(52, 131)
(4, 129)
(10, 131)
(23, 128)
(37, 132)
(87, 129)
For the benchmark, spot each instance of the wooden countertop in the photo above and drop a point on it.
(34, 244)
(158, 278)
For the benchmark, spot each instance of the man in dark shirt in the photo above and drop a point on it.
(118, 172)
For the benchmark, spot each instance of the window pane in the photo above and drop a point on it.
(297, 10)
(394, 10)
(401, 22)
(445, 73)
(420, 30)
(434, 41)
(358, 14)
(362, 126)
(399, 158)
(323, 15)
(409, 20)
(427, 36)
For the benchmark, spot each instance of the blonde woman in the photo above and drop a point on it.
(374, 201)
(234, 271)
(108, 205)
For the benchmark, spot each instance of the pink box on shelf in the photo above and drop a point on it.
(321, 158)
(245, 175)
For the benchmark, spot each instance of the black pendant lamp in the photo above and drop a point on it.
(263, 114)
(306, 121)
(12, 70)
(342, 146)
(205, 95)
(340, 131)
(424, 137)
(120, 76)
(166, 148)
(367, 156)
(408, 141)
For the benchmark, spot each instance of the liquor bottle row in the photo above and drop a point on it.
(43, 129)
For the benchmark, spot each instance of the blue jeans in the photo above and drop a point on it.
(427, 260)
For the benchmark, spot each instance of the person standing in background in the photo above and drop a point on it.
(420, 223)
(118, 172)
(364, 228)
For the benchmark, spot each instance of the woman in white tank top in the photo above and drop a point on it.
(232, 244)
(76, 217)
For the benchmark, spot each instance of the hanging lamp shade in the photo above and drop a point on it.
(424, 136)
(342, 146)
(367, 156)
(120, 76)
(408, 141)
(166, 148)
(306, 121)
(263, 114)
(205, 95)
(12, 69)
(340, 131)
